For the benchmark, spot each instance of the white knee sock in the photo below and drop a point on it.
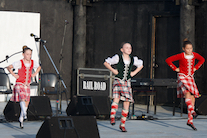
(23, 111)
(25, 116)
(21, 117)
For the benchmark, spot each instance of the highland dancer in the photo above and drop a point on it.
(21, 91)
(122, 85)
(186, 84)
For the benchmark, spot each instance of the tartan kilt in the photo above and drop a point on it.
(186, 84)
(122, 90)
(20, 92)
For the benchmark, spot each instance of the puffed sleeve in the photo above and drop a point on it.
(36, 65)
(17, 64)
(112, 60)
(138, 62)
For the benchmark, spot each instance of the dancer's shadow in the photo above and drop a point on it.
(7, 124)
(157, 122)
(108, 127)
(20, 130)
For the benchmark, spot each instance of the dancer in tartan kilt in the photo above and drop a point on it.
(122, 85)
(21, 91)
(186, 86)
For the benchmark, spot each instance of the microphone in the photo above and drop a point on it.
(32, 35)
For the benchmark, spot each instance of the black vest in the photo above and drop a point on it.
(124, 70)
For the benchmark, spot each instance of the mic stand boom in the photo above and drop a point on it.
(61, 59)
(60, 79)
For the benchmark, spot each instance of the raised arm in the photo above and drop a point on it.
(9, 68)
(133, 73)
(139, 64)
(37, 71)
(108, 66)
(170, 61)
(111, 61)
(200, 59)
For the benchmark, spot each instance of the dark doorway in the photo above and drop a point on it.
(165, 42)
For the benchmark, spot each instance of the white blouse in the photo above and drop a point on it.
(115, 59)
(17, 65)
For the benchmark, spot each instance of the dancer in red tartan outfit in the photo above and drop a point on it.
(186, 84)
(122, 85)
(21, 91)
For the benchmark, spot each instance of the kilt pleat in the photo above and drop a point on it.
(20, 92)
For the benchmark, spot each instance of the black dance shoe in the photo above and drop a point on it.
(192, 126)
(21, 125)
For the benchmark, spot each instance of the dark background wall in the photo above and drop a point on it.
(53, 14)
(110, 22)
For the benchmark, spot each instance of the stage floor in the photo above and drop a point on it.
(165, 126)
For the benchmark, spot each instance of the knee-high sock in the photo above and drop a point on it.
(190, 118)
(25, 116)
(114, 108)
(189, 105)
(22, 115)
(190, 110)
(124, 114)
(23, 108)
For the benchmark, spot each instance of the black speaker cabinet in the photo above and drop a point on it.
(98, 106)
(39, 108)
(12, 111)
(201, 105)
(69, 127)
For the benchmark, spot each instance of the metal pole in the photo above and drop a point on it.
(187, 22)
(61, 59)
(79, 45)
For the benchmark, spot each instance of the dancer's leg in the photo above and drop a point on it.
(190, 108)
(114, 108)
(124, 114)
(23, 112)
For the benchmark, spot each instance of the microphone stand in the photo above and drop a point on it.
(60, 79)
(41, 71)
(61, 59)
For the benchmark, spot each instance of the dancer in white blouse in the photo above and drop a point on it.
(122, 85)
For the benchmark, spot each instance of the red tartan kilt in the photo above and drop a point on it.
(20, 92)
(186, 84)
(122, 90)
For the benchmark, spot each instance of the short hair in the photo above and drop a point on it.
(123, 43)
